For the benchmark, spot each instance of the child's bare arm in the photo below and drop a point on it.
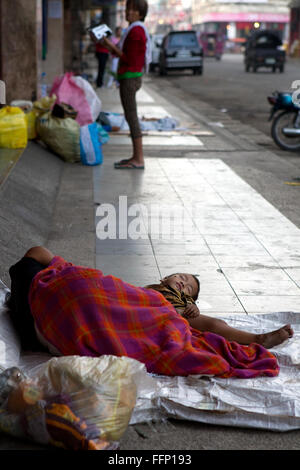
(112, 47)
(191, 311)
(179, 310)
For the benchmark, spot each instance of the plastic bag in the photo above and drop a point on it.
(25, 105)
(90, 145)
(90, 95)
(10, 347)
(78, 93)
(73, 402)
(44, 105)
(103, 135)
(13, 128)
(62, 136)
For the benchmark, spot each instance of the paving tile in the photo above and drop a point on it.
(294, 273)
(265, 287)
(173, 140)
(188, 239)
(207, 276)
(215, 287)
(143, 97)
(210, 226)
(250, 261)
(289, 261)
(124, 248)
(271, 239)
(238, 250)
(272, 274)
(220, 304)
(142, 279)
(126, 264)
(181, 249)
(197, 261)
(232, 239)
(270, 304)
(265, 226)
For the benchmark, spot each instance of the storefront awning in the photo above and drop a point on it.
(243, 16)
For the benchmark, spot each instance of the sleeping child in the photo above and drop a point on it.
(76, 310)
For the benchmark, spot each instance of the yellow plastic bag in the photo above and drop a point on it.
(13, 128)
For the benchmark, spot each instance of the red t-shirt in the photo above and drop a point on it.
(134, 49)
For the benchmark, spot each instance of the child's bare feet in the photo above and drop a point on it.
(269, 340)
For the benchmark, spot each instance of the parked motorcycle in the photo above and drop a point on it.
(285, 128)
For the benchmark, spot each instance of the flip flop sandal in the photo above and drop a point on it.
(122, 161)
(128, 166)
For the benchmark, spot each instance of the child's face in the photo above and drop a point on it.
(183, 282)
(131, 14)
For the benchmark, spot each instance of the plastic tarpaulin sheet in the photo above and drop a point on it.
(266, 403)
(271, 403)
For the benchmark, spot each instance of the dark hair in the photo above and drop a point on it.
(139, 5)
(198, 283)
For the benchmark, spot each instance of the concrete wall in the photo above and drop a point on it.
(27, 203)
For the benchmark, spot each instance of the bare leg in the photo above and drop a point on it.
(138, 156)
(40, 254)
(128, 90)
(220, 327)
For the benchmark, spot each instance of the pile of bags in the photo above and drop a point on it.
(71, 402)
(65, 121)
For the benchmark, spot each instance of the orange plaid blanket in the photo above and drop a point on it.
(82, 312)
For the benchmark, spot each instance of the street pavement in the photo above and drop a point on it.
(190, 210)
(213, 223)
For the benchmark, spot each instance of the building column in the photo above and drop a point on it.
(20, 33)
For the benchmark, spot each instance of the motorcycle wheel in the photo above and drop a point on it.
(285, 119)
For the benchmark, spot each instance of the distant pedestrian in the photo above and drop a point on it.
(102, 54)
(134, 52)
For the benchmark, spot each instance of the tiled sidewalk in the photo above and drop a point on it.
(198, 216)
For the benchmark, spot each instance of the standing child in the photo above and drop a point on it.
(134, 52)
